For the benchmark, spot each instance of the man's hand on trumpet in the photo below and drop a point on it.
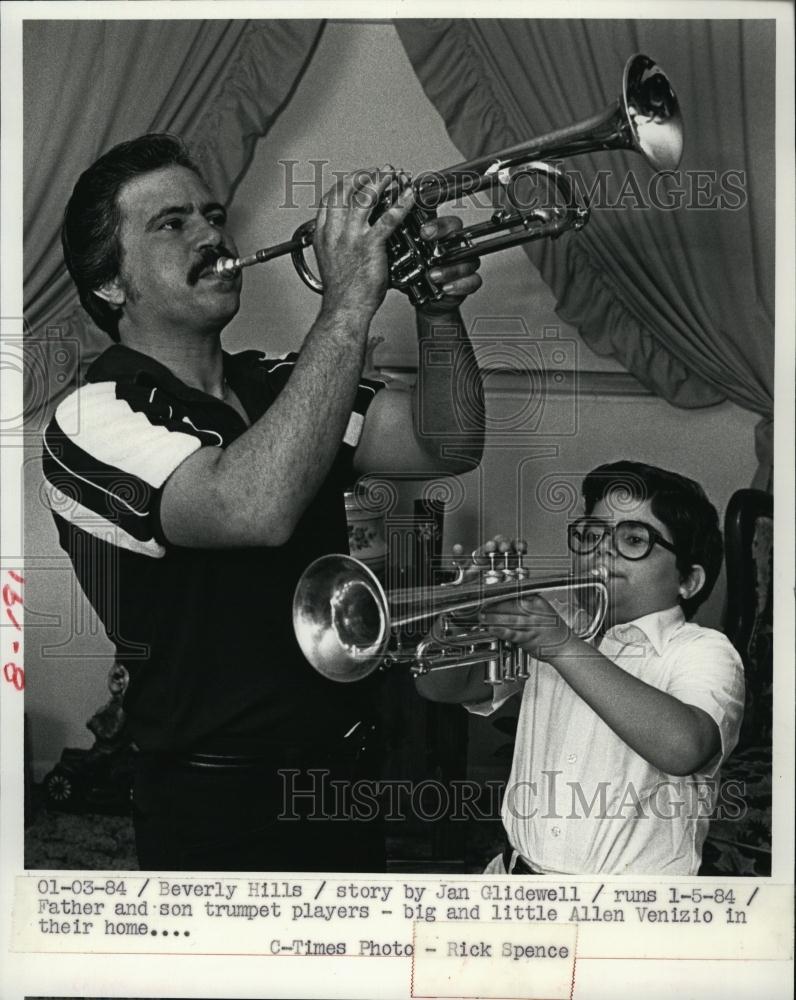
(456, 280)
(356, 218)
(350, 245)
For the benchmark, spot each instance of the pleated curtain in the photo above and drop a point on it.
(674, 275)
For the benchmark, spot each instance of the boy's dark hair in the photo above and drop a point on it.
(677, 502)
(90, 230)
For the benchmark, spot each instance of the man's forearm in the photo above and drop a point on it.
(257, 488)
(448, 396)
(280, 463)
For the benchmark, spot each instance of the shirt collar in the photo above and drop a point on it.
(656, 628)
(120, 363)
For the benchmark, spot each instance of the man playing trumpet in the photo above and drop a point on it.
(191, 487)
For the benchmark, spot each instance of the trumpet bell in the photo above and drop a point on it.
(652, 113)
(341, 618)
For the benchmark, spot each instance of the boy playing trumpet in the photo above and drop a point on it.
(619, 741)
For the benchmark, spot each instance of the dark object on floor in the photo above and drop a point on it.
(108, 724)
(95, 780)
(99, 780)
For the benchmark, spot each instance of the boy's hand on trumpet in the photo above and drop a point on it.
(532, 623)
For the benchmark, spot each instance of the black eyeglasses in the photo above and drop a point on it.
(632, 539)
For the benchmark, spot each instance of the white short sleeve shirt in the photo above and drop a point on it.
(579, 800)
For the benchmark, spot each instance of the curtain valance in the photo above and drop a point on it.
(91, 84)
(674, 275)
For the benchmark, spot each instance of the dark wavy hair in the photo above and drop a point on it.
(90, 230)
(677, 502)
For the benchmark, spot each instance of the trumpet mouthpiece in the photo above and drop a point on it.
(601, 572)
(227, 265)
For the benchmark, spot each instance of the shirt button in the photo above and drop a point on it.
(556, 831)
(572, 758)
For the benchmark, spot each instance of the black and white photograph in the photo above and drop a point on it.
(390, 451)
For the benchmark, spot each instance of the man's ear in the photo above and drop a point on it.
(693, 582)
(112, 292)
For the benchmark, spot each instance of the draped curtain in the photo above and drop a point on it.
(673, 276)
(91, 84)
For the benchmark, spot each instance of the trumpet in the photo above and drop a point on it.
(645, 119)
(348, 626)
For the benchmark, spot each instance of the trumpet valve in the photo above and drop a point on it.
(405, 258)
(521, 547)
(417, 272)
(505, 549)
(492, 575)
(524, 666)
(493, 672)
(510, 661)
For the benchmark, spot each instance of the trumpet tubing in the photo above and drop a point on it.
(645, 119)
(348, 626)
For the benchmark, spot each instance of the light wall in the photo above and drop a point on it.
(360, 104)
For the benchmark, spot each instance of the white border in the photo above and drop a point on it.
(127, 977)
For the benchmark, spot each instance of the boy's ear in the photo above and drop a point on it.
(693, 582)
(112, 292)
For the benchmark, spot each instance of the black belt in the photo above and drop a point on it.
(247, 762)
(520, 866)
(217, 761)
(335, 753)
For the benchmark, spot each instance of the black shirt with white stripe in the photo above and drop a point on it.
(205, 634)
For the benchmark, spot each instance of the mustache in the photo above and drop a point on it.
(207, 258)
